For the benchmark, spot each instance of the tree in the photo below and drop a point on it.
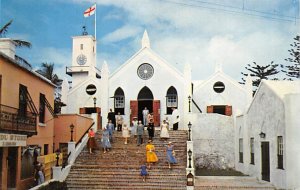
(292, 70)
(18, 43)
(47, 70)
(260, 72)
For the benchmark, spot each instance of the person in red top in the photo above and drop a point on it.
(91, 144)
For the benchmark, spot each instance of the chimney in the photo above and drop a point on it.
(8, 47)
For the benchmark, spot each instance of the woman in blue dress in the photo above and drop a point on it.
(105, 140)
(171, 154)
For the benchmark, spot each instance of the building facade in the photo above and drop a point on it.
(26, 122)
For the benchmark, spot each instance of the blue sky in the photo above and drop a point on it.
(199, 32)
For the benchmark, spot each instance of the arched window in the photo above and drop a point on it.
(119, 101)
(171, 99)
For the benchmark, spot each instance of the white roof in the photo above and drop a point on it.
(281, 88)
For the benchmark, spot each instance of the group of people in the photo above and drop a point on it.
(136, 130)
(152, 157)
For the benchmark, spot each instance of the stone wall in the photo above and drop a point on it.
(213, 137)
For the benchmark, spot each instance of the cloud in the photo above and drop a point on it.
(127, 31)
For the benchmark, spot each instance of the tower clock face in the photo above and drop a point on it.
(81, 59)
(145, 71)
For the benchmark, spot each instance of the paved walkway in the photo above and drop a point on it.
(230, 182)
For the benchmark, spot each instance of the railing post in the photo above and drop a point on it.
(71, 149)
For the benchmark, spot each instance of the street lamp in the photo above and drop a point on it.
(95, 99)
(190, 157)
(72, 127)
(189, 103)
(189, 126)
(57, 152)
(262, 135)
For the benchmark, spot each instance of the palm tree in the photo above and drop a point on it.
(18, 43)
(47, 70)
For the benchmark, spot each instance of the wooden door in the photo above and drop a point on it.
(156, 112)
(210, 109)
(133, 110)
(265, 161)
(228, 110)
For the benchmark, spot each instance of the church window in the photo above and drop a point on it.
(252, 151)
(119, 101)
(171, 99)
(241, 150)
(145, 71)
(280, 152)
(81, 46)
(219, 87)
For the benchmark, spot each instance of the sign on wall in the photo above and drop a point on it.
(91, 89)
(7, 140)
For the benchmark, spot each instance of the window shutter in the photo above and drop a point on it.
(210, 109)
(228, 110)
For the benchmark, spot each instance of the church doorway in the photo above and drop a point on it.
(145, 99)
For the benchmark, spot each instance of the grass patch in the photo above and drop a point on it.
(217, 172)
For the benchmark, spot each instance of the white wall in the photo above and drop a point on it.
(292, 112)
(213, 137)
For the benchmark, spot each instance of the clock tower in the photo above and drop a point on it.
(83, 59)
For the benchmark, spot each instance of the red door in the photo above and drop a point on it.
(210, 109)
(133, 109)
(156, 112)
(228, 110)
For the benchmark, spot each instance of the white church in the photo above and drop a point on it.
(218, 107)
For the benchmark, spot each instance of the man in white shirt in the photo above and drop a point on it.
(145, 114)
(175, 118)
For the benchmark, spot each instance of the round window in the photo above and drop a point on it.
(219, 87)
(145, 71)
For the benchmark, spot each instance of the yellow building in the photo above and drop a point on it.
(26, 119)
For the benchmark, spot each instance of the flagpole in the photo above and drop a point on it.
(95, 21)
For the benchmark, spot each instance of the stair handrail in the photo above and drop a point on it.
(196, 105)
(79, 141)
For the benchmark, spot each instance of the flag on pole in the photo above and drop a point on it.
(90, 11)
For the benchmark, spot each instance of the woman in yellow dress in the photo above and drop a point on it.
(150, 153)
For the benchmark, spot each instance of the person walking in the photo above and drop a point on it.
(151, 129)
(112, 116)
(150, 154)
(134, 127)
(171, 154)
(140, 133)
(91, 144)
(41, 177)
(105, 140)
(125, 133)
(145, 114)
(110, 128)
(175, 118)
(164, 131)
(119, 120)
(144, 172)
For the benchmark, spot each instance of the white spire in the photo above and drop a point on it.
(145, 40)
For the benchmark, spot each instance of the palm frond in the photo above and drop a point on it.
(22, 43)
(21, 61)
(4, 29)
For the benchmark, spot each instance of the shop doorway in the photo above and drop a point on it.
(12, 167)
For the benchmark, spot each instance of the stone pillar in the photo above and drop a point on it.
(104, 96)
(56, 172)
(71, 148)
